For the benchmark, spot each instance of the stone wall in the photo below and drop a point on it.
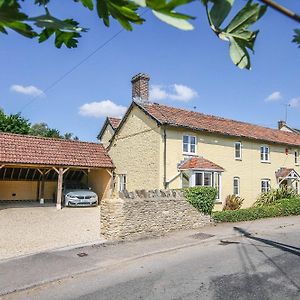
(148, 213)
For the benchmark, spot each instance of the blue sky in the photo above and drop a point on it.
(187, 69)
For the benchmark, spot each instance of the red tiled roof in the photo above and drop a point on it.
(198, 121)
(199, 163)
(114, 122)
(284, 172)
(25, 149)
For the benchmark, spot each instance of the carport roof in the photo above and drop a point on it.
(26, 149)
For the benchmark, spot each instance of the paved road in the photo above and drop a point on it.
(262, 265)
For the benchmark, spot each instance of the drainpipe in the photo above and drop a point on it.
(165, 158)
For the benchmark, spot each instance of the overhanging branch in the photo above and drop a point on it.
(283, 10)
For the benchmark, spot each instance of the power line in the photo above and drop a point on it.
(62, 77)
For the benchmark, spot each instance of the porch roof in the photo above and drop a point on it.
(199, 163)
(31, 150)
(286, 173)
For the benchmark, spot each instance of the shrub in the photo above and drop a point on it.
(233, 202)
(201, 197)
(273, 195)
(284, 207)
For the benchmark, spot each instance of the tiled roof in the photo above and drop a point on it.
(25, 149)
(114, 122)
(197, 121)
(284, 172)
(199, 163)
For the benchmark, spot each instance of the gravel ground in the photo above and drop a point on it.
(26, 229)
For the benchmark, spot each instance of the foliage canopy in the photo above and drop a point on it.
(67, 31)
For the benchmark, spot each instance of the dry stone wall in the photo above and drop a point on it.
(148, 213)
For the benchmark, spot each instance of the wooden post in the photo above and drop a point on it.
(59, 188)
(42, 197)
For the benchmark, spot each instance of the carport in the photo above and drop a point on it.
(35, 168)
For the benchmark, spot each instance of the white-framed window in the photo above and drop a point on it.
(297, 186)
(238, 150)
(206, 178)
(122, 182)
(265, 185)
(265, 153)
(236, 186)
(189, 144)
(217, 184)
(296, 157)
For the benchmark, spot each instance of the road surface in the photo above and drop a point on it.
(254, 266)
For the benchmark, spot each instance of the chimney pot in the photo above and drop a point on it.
(140, 87)
(281, 124)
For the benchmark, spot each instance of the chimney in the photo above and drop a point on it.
(281, 124)
(140, 87)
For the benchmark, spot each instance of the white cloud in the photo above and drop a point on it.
(157, 93)
(275, 96)
(177, 92)
(102, 109)
(30, 90)
(294, 102)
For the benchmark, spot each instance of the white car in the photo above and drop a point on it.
(79, 195)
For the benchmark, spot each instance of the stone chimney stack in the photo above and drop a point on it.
(281, 124)
(140, 87)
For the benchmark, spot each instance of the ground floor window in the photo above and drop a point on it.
(236, 186)
(206, 178)
(265, 185)
(122, 182)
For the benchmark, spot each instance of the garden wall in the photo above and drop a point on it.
(148, 213)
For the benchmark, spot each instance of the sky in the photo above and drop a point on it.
(188, 69)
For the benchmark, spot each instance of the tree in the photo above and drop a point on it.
(13, 123)
(67, 31)
(42, 129)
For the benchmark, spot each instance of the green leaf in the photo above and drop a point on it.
(237, 32)
(123, 11)
(220, 11)
(102, 11)
(296, 37)
(174, 21)
(248, 15)
(69, 39)
(87, 3)
(239, 54)
(141, 3)
(11, 17)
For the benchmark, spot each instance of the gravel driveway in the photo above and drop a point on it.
(27, 229)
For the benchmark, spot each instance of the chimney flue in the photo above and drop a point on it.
(140, 87)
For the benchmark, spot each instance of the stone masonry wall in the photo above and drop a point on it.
(143, 214)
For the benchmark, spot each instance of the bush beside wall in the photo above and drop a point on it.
(202, 198)
(285, 207)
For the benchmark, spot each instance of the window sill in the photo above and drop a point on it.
(218, 202)
(189, 154)
(265, 161)
(238, 159)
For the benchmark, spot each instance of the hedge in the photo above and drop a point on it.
(284, 207)
(202, 198)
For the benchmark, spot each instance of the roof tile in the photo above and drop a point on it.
(199, 163)
(194, 120)
(26, 149)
